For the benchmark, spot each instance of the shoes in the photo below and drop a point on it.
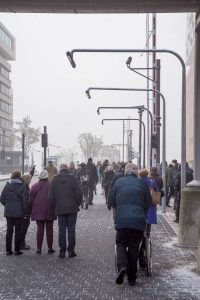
(61, 254)
(9, 252)
(120, 276)
(91, 204)
(24, 246)
(51, 251)
(38, 251)
(168, 205)
(72, 254)
(18, 253)
(132, 282)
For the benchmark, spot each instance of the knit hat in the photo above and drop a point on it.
(43, 175)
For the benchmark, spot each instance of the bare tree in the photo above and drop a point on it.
(68, 155)
(90, 145)
(32, 135)
(111, 153)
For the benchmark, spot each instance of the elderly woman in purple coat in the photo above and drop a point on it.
(42, 212)
(151, 213)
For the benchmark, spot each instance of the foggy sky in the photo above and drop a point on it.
(46, 88)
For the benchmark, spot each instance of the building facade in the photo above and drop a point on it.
(7, 53)
(190, 43)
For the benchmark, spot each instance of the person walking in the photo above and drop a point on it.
(131, 199)
(109, 174)
(94, 179)
(26, 219)
(170, 185)
(42, 212)
(65, 195)
(52, 171)
(84, 178)
(12, 198)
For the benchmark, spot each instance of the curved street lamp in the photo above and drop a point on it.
(70, 56)
(164, 116)
(144, 136)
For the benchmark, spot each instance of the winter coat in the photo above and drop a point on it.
(158, 179)
(169, 176)
(130, 196)
(151, 213)
(93, 170)
(65, 193)
(41, 208)
(12, 198)
(107, 180)
(27, 201)
(84, 172)
(115, 177)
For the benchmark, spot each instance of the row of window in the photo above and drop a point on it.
(5, 39)
(4, 140)
(5, 123)
(5, 90)
(4, 72)
(5, 107)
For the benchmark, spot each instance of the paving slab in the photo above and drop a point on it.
(91, 275)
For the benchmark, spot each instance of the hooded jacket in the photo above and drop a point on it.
(12, 198)
(65, 193)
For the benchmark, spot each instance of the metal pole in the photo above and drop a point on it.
(140, 138)
(196, 182)
(23, 151)
(45, 148)
(158, 112)
(123, 141)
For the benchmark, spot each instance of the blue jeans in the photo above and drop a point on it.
(67, 221)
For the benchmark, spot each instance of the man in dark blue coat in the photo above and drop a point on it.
(130, 198)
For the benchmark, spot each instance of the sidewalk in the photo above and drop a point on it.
(91, 275)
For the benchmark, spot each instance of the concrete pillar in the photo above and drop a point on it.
(190, 196)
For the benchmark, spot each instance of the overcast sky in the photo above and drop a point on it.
(47, 89)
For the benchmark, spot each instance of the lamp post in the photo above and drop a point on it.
(164, 116)
(139, 107)
(129, 107)
(70, 55)
(144, 136)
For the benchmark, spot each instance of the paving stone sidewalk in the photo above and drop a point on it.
(91, 275)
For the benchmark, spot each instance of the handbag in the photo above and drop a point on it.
(156, 196)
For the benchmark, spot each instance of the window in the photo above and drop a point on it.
(4, 72)
(5, 90)
(5, 39)
(5, 123)
(6, 107)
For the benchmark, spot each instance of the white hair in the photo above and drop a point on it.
(131, 169)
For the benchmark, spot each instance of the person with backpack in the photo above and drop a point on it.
(84, 178)
(12, 198)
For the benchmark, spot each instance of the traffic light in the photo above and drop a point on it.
(154, 141)
(44, 139)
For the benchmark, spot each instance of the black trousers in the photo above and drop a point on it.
(24, 229)
(11, 224)
(127, 246)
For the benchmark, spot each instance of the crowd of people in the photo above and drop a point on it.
(129, 192)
